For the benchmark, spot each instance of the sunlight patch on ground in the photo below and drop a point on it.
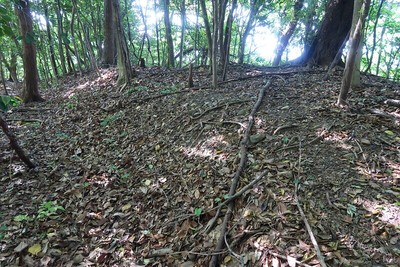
(387, 212)
(208, 149)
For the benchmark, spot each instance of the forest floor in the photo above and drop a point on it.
(134, 177)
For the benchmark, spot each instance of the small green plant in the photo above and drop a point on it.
(285, 139)
(198, 211)
(7, 101)
(23, 218)
(351, 210)
(112, 168)
(62, 135)
(3, 230)
(71, 105)
(111, 118)
(48, 208)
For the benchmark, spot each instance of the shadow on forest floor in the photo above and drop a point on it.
(122, 174)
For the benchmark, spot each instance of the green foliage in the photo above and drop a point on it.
(5, 20)
(198, 211)
(48, 208)
(7, 101)
(3, 230)
(111, 118)
(45, 209)
(351, 210)
(23, 218)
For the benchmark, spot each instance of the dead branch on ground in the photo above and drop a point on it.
(14, 144)
(243, 160)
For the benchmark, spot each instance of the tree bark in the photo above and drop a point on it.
(254, 9)
(284, 39)
(125, 71)
(331, 34)
(109, 51)
(14, 144)
(208, 28)
(168, 35)
(50, 38)
(30, 91)
(355, 41)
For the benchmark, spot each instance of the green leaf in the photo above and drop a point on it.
(22, 218)
(198, 211)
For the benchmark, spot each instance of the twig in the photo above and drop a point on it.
(218, 107)
(243, 160)
(285, 258)
(283, 127)
(303, 216)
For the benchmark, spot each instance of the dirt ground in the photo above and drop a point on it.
(134, 176)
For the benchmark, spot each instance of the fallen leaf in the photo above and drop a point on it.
(35, 249)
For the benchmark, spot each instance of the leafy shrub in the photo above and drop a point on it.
(7, 101)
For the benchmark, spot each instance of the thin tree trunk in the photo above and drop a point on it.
(76, 51)
(60, 38)
(215, 43)
(378, 14)
(208, 29)
(168, 35)
(49, 37)
(355, 41)
(14, 144)
(183, 26)
(284, 39)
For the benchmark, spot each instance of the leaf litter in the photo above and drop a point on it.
(139, 174)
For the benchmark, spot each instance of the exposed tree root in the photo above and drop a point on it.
(14, 144)
(243, 160)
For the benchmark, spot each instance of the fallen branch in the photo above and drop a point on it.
(303, 216)
(243, 160)
(218, 107)
(393, 103)
(14, 144)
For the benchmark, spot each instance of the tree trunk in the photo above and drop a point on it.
(168, 35)
(355, 41)
(208, 28)
(331, 34)
(214, 64)
(109, 51)
(284, 39)
(49, 37)
(30, 92)
(228, 37)
(60, 34)
(183, 27)
(378, 14)
(125, 71)
(254, 9)
(157, 34)
(355, 78)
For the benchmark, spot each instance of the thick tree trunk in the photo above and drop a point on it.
(30, 92)
(125, 71)
(109, 51)
(331, 34)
